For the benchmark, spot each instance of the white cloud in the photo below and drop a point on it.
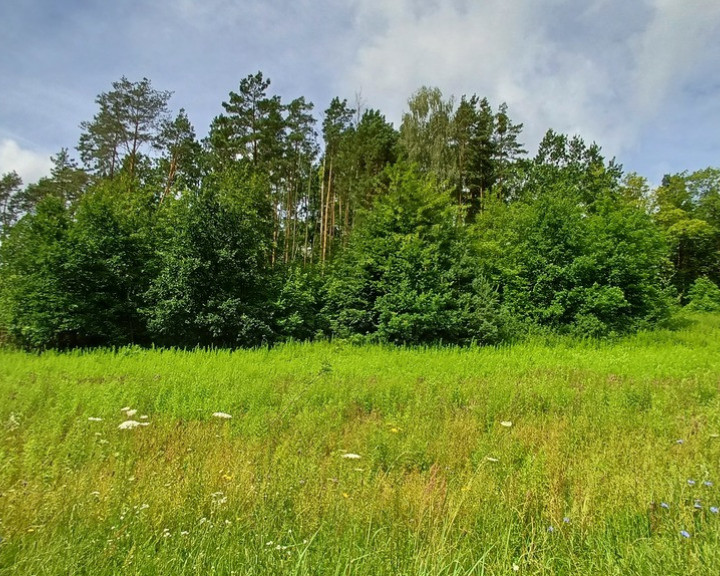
(680, 38)
(602, 69)
(30, 165)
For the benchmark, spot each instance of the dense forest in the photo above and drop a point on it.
(278, 226)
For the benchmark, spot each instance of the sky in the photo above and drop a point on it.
(639, 77)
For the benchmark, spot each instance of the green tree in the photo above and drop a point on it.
(213, 285)
(561, 266)
(131, 117)
(409, 274)
(67, 182)
(426, 133)
(685, 210)
(10, 188)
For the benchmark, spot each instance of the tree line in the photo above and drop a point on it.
(279, 226)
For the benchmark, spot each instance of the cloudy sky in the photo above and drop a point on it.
(639, 77)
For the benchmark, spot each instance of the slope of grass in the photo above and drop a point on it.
(541, 458)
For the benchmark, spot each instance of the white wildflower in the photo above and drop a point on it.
(125, 409)
(223, 415)
(144, 417)
(94, 419)
(351, 456)
(491, 459)
(129, 425)
(130, 413)
(515, 568)
(506, 423)
(184, 533)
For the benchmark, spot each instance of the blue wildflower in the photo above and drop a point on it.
(714, 509)
(684, 533)
(691, 482)
(551, 529)
(707, 483)
(665, 505)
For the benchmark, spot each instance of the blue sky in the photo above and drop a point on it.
(639, 77)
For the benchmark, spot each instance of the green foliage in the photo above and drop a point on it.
(210, 288)
(704, 296)
(78, 281)
(299, 303)
(10, 187)
(409, 276)
(34, 294)
(561, 266)
(687, 211)
(130, 116)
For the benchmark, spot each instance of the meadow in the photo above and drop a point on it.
(550, 456)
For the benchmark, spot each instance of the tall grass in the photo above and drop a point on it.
(591, 477)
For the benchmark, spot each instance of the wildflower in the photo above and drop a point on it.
(506, 423)
(515, 568)
(566, 520)
(94, 419)
(691, 482)
(270, 543)
(697, 506)
(94, 493)
(129, 425)
(665, 505)
(394, 430)
(351, 456)
(679, 441)
(491, 459)
(130, 413)
(708, 483)
(684, 533)
(222, 415)
(125, 409)
(218, 498)
(184, 533)
(714, 509)
(144, 417)
(551, 529)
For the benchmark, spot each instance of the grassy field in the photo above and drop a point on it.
(540, 458)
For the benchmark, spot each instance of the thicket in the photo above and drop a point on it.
(443, 230)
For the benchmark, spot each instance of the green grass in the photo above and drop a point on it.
(442, 487)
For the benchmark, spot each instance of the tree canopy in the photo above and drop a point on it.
(280, 225)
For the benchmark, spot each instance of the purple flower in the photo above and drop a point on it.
(691, 482)
(684, 533)
(665, 505)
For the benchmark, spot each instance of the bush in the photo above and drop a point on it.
(704, 296)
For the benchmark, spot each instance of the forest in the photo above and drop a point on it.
(279, 225)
